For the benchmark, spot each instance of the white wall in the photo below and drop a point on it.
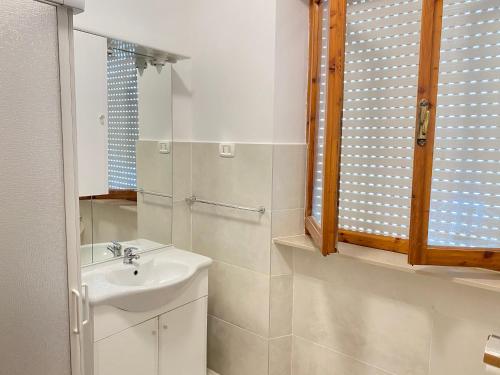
(246, 80)
(233, 70)
(292, 59)
(162, 24)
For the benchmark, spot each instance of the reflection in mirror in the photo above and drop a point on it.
(124, 126)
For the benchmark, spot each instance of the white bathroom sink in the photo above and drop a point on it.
(150, 282)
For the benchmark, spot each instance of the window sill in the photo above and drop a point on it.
(474, 277)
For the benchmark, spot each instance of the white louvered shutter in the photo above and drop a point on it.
(317, 198)
(465, 199)
(380, 88)
(123, 124)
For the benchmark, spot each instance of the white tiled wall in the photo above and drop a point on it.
(239, 243)
(276, 311)
(250, 281)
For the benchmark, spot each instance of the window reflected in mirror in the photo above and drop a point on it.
(124, 127)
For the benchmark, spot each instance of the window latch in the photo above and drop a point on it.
(423, 121)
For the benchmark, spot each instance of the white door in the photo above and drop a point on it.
(91, 92)
(130, 352)
(40, 309)
(183, 340)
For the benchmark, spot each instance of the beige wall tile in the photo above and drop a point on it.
(352, 273)
(236, 237)
(85, 222)
(289, 165)
(312, 359)
(244, 180)
(384, 332)
(235, 351)
(154, 170)
(467, 303)
(181, 226)
(182, 170)
(458, 346)
(281, 260)
(280, 356)
(287, 222)
(154, 218)
(239, 296)
(113, 220)
(281, 305)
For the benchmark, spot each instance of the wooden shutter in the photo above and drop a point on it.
(325, 100)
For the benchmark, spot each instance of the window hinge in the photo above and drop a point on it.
(423, 121)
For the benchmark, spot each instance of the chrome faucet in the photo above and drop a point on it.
(129, 256)
(115, 248)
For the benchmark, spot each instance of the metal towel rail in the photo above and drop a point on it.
(147, 192)
(194, 199)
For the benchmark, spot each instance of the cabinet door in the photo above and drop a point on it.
(130, 352)
(183, 340)
(91, 94)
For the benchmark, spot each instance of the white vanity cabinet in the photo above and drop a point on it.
(173, 343)
(130, 352)
(182, 339)
(170, 339)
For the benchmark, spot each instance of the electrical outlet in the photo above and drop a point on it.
(226, 150)
(164, 147)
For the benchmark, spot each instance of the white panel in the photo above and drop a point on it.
(91, 92)
(378, 121)
(155, 103)
(183, 340)
(130, 352)
(34, 323)
(465, 209)
(317, 199)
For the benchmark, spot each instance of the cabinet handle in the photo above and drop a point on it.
(77, 303)
(153, 333)
(165, 326)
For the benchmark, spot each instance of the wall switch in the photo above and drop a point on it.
(226, 150)
(164, 147)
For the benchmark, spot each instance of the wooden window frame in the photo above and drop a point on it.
(325, 234)
(129, 195)
(420, 252)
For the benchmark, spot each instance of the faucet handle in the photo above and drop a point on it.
(129, 255)
(129, 251)
(117, 245)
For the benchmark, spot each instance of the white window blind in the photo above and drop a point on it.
(465, 199)
(321, 113)
(123, 121)
(380, 88)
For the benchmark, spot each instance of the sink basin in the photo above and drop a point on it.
(150, 282)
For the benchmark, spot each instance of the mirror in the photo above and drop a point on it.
(124, 130)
